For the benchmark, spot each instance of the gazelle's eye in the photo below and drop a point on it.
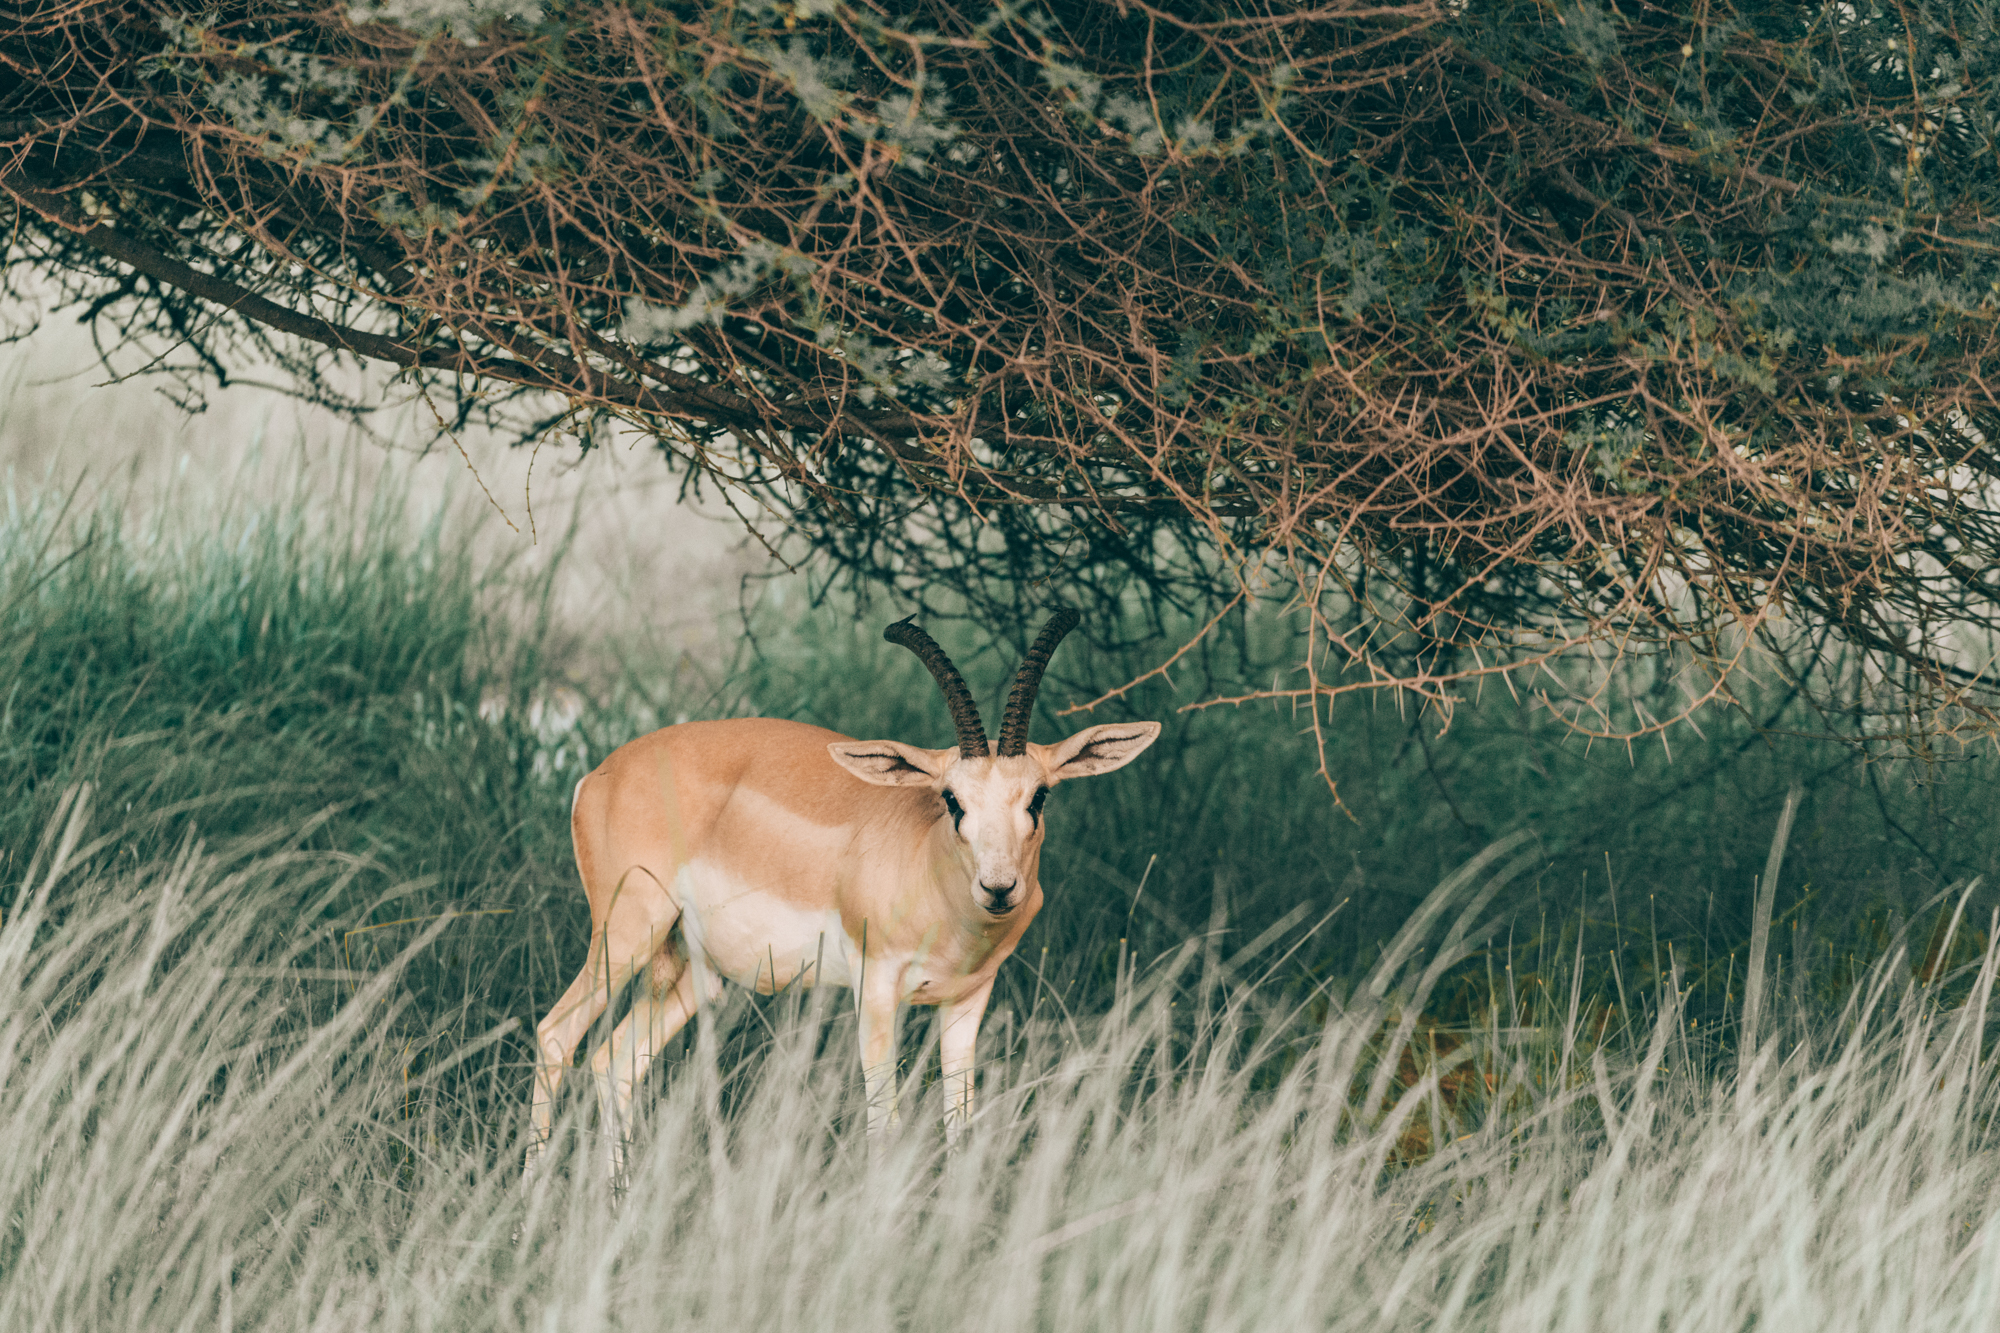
(1035, 804)
(957, 811)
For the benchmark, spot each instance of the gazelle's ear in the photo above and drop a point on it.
(1094, 750)
(892, 763)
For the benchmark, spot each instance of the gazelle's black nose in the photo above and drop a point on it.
(997, 895)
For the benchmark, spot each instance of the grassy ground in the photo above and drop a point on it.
(281, 902)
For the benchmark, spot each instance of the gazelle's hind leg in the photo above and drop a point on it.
(608, 969)
(661, 1009)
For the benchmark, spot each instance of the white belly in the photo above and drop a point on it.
(758, 940)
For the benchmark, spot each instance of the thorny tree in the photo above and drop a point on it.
(1481, 330)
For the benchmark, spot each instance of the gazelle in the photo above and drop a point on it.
(772, 853)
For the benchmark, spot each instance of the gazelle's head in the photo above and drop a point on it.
(993, 798)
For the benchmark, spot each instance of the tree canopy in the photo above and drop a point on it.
(1481, 329)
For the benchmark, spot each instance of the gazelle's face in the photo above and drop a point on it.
(994, 804)
(995, 809)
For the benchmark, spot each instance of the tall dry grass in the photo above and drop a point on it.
(207, 1132)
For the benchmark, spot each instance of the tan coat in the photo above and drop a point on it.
(772, 853)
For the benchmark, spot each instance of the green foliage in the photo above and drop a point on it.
(311, 674)
(304, 674)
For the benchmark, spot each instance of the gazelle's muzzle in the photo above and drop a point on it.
(999, 899)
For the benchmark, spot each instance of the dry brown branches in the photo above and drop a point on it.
(1481, 332)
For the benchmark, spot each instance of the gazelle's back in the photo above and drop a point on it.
(759, 796)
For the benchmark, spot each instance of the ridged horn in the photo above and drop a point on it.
(964, 712)
(1028, 682)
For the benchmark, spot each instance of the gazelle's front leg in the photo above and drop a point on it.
(957, 1047)
(875, 1004)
